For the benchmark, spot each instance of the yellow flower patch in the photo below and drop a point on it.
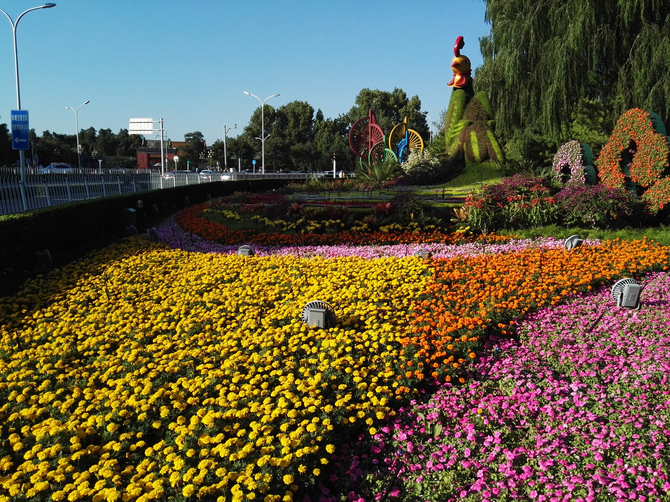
(155, 373)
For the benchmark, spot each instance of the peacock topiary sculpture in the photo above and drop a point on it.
(469, 121)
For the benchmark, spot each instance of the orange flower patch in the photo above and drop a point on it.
(473, 297)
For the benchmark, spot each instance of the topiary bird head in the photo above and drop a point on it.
(461, 66)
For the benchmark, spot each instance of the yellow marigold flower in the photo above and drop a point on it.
(188, 490)
(288, 479)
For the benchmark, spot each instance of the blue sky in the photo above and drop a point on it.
(189, 61)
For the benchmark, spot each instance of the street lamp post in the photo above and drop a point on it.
(263, 136)
(22, 160)
(430, 126)
(76, 125)
(225, 155)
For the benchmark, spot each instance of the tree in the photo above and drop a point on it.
(216, 151)
(249, 145)
(390, 108)
(54, 147)
(127, 143)
(192, 150)
(7, 154)
(87, 142)
(106, 143)
(294, 135)
(542, 57)
(331, 136)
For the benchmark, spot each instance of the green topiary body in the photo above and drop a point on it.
(468, 128)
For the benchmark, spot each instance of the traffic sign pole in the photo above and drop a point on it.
(20, 130)
(20, 136)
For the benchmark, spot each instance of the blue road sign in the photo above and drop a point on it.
(20, 129)
(253, 162)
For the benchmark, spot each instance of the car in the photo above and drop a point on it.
(178, 174)
(210, 175)
(117, 170)
(57, 168)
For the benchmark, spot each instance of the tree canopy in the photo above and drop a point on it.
(543, 57)
(390, 108)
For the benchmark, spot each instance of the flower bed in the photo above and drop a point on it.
(471, 297)
(578, 410)
(149, 373)
(160, 373)
(174, 236)
(191, 220)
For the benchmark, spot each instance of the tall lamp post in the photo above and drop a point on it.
(263, 136)
(22, 159)
(430, 126)
(225, 155)
(76, 122)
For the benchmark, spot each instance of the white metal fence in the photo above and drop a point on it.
(44, 190)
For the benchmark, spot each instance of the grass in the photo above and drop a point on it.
(659, 234)
(471, 178)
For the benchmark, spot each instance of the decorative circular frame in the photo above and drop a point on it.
(650, 161)
(570, 155)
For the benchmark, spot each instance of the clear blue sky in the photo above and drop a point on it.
(189, 61)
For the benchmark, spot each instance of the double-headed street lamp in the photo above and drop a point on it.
(22, 161)
(430, 126)
(263, 136)
(225, 155)
(76, 122)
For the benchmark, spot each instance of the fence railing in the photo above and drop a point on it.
(44, 190)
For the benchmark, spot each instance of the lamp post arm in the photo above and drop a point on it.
(22, 165)
(16, 52)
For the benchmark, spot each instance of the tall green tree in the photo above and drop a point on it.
(331, 137)
(8, 156)
(54, 147)
(249, 142)
(390, 108)
(294, 134)
(127, 143)
(542, 57)
(106, 143)
(191, 152)
(216, 150)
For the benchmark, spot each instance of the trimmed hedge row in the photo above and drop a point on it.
(61, 228)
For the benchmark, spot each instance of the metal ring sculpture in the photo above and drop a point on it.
(403, 140)
(364, 134)
(379, 153)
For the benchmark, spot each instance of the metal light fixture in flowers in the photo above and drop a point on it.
(572, 242)
(626, 292)
(320, 314)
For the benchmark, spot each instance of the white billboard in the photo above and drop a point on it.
(141, 126)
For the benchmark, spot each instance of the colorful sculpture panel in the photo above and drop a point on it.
(368, 142)
(403, 140)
